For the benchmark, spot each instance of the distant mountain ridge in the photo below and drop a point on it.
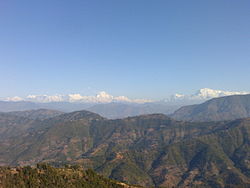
(110, 106)
(108, 110)
(217, 109)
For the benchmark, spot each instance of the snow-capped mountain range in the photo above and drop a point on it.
(103, 97)
(205, 94)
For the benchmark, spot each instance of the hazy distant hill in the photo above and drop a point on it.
(223, 108)
(122, 110)
(36, 114)
(9, 106)
(146, 150)
(109, 110)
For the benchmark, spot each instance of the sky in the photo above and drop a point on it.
(137, 48)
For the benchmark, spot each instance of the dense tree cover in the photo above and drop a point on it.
(44, 175)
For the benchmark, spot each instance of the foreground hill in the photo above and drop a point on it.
(46, 176)
(218, 109)
(150, 150)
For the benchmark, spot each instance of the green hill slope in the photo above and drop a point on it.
(149, 150)
(46, 176)
(218, 109)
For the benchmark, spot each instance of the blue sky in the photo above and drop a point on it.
(137, 48)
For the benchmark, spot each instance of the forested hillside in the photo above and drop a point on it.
(44, 175)
(149, 150)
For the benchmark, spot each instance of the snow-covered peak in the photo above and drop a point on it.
(45, 98)
(14, 99)
(177, 96)
(101, 97)
(104, 97)
(207, 93)
(202, 95)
